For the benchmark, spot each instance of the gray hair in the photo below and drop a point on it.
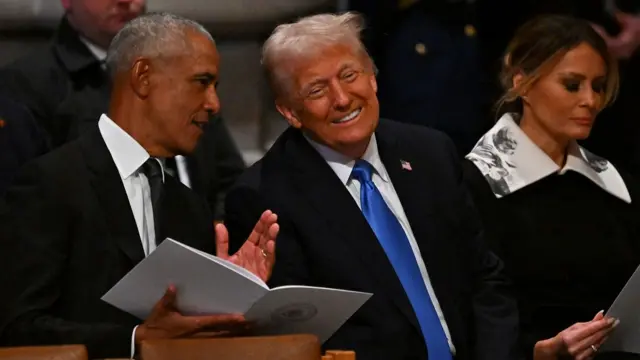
(306, 38)
(151, 35)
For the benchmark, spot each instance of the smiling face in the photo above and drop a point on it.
(183, 95)
(565, 101)
(333, 99)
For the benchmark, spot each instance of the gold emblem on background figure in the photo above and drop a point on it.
(421, 48)
(470, 30)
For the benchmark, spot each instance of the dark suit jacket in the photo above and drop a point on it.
(67, 235)
(325, 241)
(66, 90)
(21, 139)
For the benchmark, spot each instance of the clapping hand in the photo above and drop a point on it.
(257, 254)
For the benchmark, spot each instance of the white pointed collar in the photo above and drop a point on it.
(510, 161)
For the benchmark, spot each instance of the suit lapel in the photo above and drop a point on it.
(334, 205)
(415, 192)
(195, 169)
(112, 196)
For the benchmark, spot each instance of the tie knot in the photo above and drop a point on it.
(152, 168)
(362, 171)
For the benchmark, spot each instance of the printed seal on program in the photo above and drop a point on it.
(298, 312)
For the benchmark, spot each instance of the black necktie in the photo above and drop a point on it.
(153, 171)
(172, 167)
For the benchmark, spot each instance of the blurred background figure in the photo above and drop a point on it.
(65, 81)
(616, 134)
(20, 140)
(431, 64)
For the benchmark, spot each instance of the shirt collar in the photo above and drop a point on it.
(510, 161)
(97, 51)
(343, 165)
(127, 153)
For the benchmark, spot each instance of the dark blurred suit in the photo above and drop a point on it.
(431, 64)
(325, 240)
(21, 140)
(66, 89)
(67, 235)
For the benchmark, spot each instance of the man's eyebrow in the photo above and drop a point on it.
(205, 76)
(320, 80)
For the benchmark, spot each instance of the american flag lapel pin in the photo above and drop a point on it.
(406, 165)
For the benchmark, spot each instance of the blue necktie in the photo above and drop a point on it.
(396, 245)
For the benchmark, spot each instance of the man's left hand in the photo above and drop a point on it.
(258, 252)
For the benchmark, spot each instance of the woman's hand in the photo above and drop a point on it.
(580, 341)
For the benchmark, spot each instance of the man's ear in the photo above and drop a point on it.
(140, 77)
(374, 83)
(289, 114)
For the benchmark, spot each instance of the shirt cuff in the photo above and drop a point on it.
(133, 342)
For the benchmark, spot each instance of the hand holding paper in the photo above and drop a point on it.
(208, 285)
(258, 252)
(166, 322)
(579, 341)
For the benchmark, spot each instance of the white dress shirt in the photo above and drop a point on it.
(97, 51)
(129, 156)
(343, 166)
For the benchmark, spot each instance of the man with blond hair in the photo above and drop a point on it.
(371, 205)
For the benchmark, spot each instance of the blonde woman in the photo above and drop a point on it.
(561, 218)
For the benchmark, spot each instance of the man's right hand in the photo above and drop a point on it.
(165, 322)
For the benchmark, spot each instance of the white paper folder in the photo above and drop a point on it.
(209, 285)
(626, 307)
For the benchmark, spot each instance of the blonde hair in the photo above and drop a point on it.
(307, 38)
(539, 45)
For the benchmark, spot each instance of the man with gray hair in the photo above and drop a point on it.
(66, 88)
(372, 205)
(80, 218)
